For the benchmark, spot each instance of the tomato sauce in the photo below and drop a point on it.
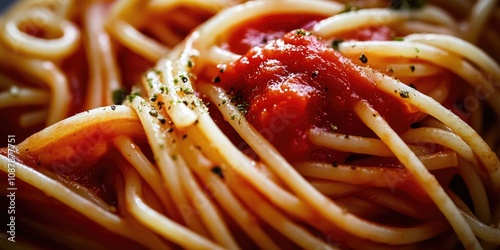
(370, 33)
(296, 83)
(262, 30)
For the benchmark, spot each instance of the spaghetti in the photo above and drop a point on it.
(268, 124)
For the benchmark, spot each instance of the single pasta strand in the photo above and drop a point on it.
(417, 169)
(167, 5)
(356, 19)
(32, 118)
(219, 55)
(166, 35)
(441, 137)
(104, 120)
(23, 97)
(127, 35)
(183, 20)
(410, 27)
(101, 53)
(401, 70)
(392, 201)
(93, 29)
(439, 160)
(354, 144)
(478, 17)
(476, 190)
(356, 175)
(335, 189)
(352, 20)
(125, 10)
(362, 207)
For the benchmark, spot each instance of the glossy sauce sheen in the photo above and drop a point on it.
(296, 83)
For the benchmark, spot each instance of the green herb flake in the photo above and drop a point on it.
(131, 97)
(187, 91)
(302, 32)
(243, 107)
(404, 94)
(118, 96)
(149, 80)
(398, 39)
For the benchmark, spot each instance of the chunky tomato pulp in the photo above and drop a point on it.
(296, 83)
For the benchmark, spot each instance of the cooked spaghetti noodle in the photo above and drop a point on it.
(286, 124)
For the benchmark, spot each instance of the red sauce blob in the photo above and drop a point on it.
(296, 83)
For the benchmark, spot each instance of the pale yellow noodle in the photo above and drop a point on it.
(32, 118)
(132, 153)
(156, 221)
(417, 169)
